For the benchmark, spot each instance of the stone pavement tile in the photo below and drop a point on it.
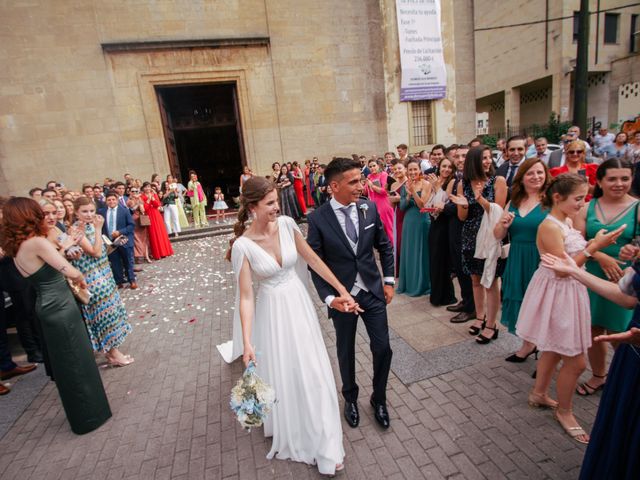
(442, 461)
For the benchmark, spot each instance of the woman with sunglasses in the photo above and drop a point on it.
(575, 162)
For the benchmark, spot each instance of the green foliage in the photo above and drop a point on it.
(552, 131)
(490, 140)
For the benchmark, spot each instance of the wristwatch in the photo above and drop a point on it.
(391, 284)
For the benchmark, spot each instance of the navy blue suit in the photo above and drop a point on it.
(329, 241)
(122, 257)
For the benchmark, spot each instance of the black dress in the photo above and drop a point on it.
(442, 292)
(471, 226)
(288, 201)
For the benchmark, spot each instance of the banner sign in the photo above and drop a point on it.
(424, 76)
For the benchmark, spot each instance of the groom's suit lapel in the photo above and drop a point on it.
(330, 216)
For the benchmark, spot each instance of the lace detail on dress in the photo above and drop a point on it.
(574, 242)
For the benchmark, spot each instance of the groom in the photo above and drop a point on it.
(344, 232)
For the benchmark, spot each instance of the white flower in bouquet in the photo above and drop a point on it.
(251, 399)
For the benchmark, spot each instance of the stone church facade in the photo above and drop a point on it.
(95, 88)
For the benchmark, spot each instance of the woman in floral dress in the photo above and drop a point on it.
(105, 315)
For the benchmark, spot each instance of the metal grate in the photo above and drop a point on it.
(421, 123)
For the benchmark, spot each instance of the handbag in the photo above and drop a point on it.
(82, 295)
(145, 221)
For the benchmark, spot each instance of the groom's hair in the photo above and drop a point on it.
(338, 166)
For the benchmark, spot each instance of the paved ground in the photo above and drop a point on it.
(458, 410)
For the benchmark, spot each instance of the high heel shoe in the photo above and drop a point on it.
(128, 360)
(482, 340)
(536, 400)
(516, 359)
(473, 330)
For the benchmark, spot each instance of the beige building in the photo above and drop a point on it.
(95, 88)
(525, 72)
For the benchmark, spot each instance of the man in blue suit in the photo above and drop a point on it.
(344, 232)
(118, 226)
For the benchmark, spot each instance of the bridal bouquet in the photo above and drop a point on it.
(252, 399)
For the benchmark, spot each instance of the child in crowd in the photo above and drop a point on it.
(219, 205)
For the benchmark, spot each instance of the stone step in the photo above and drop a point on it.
(203, 233)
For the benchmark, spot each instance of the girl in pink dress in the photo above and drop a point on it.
(376, 190)
(555, 312)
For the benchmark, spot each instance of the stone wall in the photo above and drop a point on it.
(72, 112)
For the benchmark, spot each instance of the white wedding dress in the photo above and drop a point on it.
(291, 355)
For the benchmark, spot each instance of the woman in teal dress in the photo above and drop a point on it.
(523, 215)
(69, 350)
(414, 279)
(611, 207)
(105, 315)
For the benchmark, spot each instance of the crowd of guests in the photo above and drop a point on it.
(454, 213)
(97, 235)
(457, 213)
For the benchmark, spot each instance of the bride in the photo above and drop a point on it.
(282, 326)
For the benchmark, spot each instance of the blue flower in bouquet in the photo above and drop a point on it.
(251, 399)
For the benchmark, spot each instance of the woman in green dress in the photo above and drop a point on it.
(611, 207)
(414, 279)
(23, 236)
(523, 214)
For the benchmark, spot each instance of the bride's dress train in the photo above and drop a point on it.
(291, 355)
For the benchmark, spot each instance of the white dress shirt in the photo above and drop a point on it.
(359, 284)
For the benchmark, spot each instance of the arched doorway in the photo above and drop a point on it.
(202, 131)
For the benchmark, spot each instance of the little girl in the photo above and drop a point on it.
(555, 313)
(219, 205)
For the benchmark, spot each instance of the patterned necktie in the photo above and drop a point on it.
(348, 224)
(112, 220)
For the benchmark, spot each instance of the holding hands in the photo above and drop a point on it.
(345, 303)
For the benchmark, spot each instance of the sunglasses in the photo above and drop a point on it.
(575, 152)
(135, 191)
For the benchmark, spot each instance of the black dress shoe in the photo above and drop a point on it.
(351, 414)
(463, 317)
(380, 413)
(458, 307)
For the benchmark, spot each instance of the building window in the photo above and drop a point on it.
(634, 46)
(421, 123)
(576, 26)
(611, 21)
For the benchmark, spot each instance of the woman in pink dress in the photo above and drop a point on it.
(396, 191)
(298, 182)
(376, 190)
(555, 313)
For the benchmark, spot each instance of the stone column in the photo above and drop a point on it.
(561, 96)
(512, 108)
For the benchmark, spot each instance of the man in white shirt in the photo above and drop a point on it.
(344, 233)
(542, 152)
(602, 139)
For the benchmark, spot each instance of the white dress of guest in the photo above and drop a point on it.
(292, 357)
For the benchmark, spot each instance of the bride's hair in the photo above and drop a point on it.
(253, 190)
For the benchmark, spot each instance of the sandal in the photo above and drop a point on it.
(473, 330)
(536, 400)
(573, 432)
(587, 389)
